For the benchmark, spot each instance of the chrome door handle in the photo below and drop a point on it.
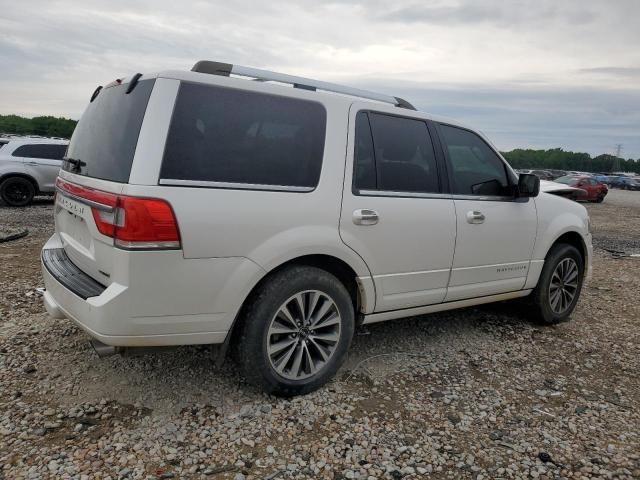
(475, 217)
(364, 216)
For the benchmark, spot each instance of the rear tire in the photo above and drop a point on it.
(295, 331)
(17, 191)
(560, 284)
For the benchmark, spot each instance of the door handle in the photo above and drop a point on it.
(32, 163)
(365, 216)
(474, 216)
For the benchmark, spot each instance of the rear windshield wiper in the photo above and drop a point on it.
(76, 162)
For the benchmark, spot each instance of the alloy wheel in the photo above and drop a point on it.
(563, 285)
(303, 334)
(17, 193)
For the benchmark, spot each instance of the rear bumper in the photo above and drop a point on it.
(155, 299)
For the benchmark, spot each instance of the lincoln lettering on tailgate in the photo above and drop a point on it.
(70, 205)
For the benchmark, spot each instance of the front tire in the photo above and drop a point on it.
(560, 284)
(17, 191)
(295, 331)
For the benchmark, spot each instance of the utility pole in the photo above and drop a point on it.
(616, 160)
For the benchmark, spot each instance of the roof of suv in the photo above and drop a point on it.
(204, 70)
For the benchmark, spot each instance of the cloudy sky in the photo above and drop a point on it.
(538, 74)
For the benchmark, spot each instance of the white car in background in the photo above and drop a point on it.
(202, 208)
(28, 167)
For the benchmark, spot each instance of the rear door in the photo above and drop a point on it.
(42, 161)
(495, 231)
(395, 214)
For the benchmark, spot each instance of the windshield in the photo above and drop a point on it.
(104, 141)
(567, 180)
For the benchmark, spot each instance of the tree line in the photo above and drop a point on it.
(44, 126)
(555, 158)
(558, 159)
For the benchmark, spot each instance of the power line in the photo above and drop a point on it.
(616, 160)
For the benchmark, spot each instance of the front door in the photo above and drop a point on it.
(496, 231)
(394, 214)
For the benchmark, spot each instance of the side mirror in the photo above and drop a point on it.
(528, 185)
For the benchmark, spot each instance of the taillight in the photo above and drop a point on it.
(133, 222)
(145, 223)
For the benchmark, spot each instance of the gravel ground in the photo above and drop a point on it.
(480, 393)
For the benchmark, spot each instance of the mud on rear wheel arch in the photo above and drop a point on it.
(22, 175)
(574, 239)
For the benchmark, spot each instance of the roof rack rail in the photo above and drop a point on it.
(226, 69)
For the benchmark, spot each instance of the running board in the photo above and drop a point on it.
(441, 307)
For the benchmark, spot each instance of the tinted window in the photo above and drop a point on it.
(403, 152)
(475, 168)
(234, 136)
(41, 150)
(104, 141)
(364, 169)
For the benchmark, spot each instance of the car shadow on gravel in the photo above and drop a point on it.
(168, 380)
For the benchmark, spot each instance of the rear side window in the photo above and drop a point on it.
(104, 141)
(364, 168)
(394, 154)
(239, 137)
(475, 168)
(42, 150)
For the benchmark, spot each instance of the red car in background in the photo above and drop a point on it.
(596, 191)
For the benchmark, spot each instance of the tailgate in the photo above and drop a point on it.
(83, 243)
(96, 168)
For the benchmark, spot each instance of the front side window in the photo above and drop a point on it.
(394, 154)
(234, 136)
(567, 180)
(475, 168)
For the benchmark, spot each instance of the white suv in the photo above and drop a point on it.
(202, 208)
(28, 167)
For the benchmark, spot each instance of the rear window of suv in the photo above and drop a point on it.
(104, 141)
(235, 137)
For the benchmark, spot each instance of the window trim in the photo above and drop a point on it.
(235, 185)
(458, 196)
(435, 145)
